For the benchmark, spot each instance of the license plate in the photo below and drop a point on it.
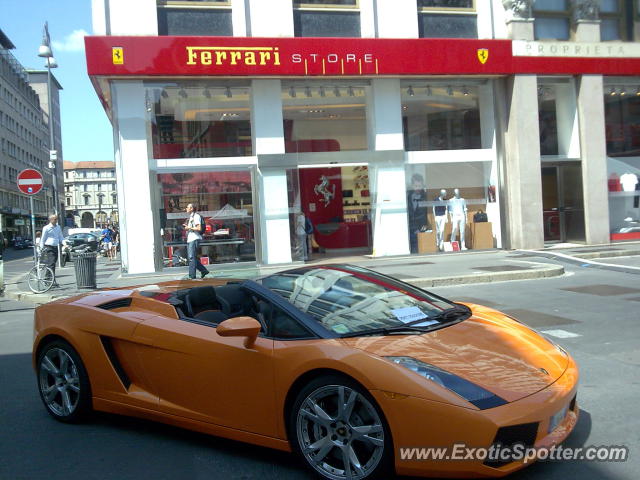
(557, 418)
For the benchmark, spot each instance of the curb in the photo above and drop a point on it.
(546, 272)
(607, 254)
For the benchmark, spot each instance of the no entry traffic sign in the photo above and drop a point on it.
(30, 181)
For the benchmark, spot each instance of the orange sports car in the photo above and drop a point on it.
(356, 372)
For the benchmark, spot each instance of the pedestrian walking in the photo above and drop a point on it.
(194, 228)
(107, 239)
(49, 242)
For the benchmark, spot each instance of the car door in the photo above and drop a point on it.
(203, 376)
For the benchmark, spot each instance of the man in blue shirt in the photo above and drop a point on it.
(107, 239)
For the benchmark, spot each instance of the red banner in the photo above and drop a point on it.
(316, 57)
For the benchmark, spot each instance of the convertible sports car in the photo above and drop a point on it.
(344, 366)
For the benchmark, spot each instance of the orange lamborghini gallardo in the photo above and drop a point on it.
(345, 367)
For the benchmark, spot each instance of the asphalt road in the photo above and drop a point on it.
(599, 316)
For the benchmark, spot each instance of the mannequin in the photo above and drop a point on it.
(458, 214)
(440, 215)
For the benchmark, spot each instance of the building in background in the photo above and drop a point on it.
(484, 124)
(24, 143)
(91, 199)
(38, 81)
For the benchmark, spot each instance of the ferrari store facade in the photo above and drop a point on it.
(301, 148)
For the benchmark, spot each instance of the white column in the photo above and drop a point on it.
(268, 138)
(132, 18)
(590, 105)
(397, 18)
(385, 115)
(132, 169)
(485, 16)
(273, 18)
(567, 120)
(99, 17)
(239, 18)
(387, 176)
(368, 18)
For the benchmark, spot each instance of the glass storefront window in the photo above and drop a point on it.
(447, 19)
(210, 17)
(326, 18)
(547, 119)
(622, 128)
(451, 206)
(326, 117)
(199, 120)
(440, 117)
(224, 199)
(330, 211)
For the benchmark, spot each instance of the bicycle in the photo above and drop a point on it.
(41, 277)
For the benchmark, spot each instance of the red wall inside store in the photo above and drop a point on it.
(309, 178)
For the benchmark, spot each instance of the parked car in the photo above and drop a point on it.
(78, 239)
(341, 365)
(20, 243)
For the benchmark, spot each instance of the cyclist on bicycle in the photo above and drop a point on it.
(49, 242)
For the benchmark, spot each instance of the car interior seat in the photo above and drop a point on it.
(201, 303)
(234, 300)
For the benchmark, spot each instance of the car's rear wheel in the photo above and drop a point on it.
(63, 382)
(338, 429)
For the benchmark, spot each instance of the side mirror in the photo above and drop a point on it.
(240, 327)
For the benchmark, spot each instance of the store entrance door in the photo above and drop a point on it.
(562, 203)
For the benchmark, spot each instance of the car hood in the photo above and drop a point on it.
(488, 349)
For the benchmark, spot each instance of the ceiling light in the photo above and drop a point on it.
(228, 93)
(465, 91)
(638, 91)
(410, 91)
(612, 91)
(307, 92)
(623, 92)
(292, 92)
(336, 91)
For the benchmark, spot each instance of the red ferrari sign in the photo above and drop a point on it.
(30, 181)
(352, 57)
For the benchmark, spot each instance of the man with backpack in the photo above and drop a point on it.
(195, 227)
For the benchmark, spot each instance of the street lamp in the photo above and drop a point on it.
(100, 197)
(46, 52)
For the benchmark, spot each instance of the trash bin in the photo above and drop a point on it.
(85, 267)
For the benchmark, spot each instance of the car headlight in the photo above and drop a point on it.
(471, 392)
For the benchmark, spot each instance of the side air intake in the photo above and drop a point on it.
(119, 303)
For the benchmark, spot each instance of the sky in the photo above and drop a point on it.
(86, 130)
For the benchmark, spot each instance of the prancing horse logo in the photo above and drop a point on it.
(483, 55)
(323, 190)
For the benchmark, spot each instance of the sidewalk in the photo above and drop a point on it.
(424, 271)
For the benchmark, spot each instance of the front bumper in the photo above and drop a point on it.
(419, 423)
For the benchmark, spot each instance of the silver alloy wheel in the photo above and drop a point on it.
(59, 382)
(340, 433)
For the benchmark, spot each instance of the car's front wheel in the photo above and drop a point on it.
(63, 382)
(338, 429)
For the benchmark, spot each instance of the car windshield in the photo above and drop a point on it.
(348, 299)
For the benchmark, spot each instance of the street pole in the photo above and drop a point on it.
(52, 152)
(33, 230)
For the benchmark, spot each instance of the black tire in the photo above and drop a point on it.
(338, 433)
(63, 382)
